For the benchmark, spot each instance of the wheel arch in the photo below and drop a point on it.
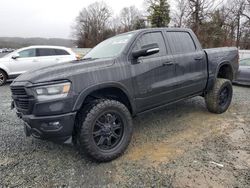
(111, 90)
(4, 72)
(225, 70)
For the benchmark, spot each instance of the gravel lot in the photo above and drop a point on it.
(181, 146)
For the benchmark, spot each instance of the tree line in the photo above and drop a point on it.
(216, 23)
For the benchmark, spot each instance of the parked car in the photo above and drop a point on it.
(243, 75)
(243, 54)
(31, 58)
(93, 100)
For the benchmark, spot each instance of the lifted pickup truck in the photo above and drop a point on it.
(93, 100)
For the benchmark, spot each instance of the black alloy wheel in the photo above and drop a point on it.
(108, 130)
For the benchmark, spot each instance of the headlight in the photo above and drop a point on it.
(54, 91)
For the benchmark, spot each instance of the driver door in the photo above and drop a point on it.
(152, 76)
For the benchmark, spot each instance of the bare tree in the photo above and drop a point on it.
(180, 13)
(199, 10)
(92, 24)
(239, 10)
(129, 17)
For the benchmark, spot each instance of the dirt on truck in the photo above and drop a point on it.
(92, 101)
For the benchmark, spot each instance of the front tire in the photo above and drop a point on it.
(3, 77)
(219, 97)
(106, 130)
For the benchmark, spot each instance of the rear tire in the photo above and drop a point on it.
(219, 97)
(3, 77)
(105, 130)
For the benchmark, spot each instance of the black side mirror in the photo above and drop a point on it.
(146, 50)
(15, 56)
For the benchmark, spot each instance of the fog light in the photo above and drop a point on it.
(51, 126)
(55, 124)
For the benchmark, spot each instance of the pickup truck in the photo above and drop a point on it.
(91, 102)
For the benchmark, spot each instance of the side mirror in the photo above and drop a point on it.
(146, 50)
(15, 56)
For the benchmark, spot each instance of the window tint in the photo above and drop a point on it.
(27, 53)
(46, 52)
(61, 52)
(150, 38)
(181, 42)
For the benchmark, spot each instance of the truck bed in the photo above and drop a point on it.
(220, 56)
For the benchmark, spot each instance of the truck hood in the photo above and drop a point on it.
(64, 70)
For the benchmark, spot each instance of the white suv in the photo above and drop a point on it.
(32, 57)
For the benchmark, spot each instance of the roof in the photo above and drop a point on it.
(45, 46)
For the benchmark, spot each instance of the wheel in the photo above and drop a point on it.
(219, 97)
(105, 130)
(3, 77)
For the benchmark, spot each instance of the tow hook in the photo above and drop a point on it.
(12, 106)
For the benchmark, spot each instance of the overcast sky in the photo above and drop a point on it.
(47, 18)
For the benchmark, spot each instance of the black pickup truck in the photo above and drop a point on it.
(92, 101)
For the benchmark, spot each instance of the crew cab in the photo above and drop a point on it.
(31, 58)
(92, 101)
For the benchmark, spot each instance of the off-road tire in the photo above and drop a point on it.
(87, 121)
(212, 98)
(3, 77)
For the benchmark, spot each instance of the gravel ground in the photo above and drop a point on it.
(181, 146)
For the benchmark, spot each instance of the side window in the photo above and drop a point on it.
(150, 38)
(181, 42)
(46, 52)
(61, 52)
(27, 53)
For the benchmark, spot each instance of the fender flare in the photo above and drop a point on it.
(84, 93)
(222, 64)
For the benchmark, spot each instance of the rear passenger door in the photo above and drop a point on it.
(152, 75)
(190, 63)
(46, 57)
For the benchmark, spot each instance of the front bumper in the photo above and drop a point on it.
(57, 128)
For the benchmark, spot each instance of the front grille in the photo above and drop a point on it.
(20, 97)
(18, 91)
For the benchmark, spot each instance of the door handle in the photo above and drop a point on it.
(168, 63)
(35, 60)
(198, 58)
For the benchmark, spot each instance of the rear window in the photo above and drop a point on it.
(46, 52)
(61, 52)
(181, 42)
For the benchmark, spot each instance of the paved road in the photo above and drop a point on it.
(181, 146)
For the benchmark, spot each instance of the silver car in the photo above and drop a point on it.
(243, 75)
(33, 57)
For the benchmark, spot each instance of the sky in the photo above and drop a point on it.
(47, 18)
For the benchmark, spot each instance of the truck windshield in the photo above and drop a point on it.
(111, 47)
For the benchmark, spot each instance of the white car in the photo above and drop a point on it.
(32, 57)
